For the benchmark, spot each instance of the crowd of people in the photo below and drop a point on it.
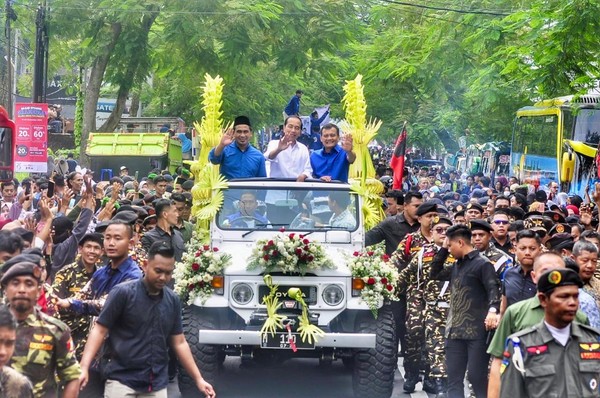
(482, 260)
(479, 261)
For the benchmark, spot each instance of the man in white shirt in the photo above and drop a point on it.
(286, 158)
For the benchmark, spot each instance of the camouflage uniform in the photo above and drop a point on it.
(44, 350)
(436, 296)
(407, 248)
(500, 260)
(14, 385)
(68, 283)
(412, 281)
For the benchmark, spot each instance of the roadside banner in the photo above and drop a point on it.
(31, 145)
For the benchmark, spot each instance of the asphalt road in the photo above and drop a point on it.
(298, 378)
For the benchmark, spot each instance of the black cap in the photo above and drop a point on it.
(189, 184)
(427, 207)
(441, 220)
(475, 206)
(19, 268)
(560, 229)
(128, 216)
(150, 220)
(556, 278)
(442, 209)
(541, 196)
(554, 216)
(560, 241)
(481, 225)
(242, 120)
(516, 213)
(101, 227)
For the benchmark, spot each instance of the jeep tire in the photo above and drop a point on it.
(374, 368)
(208, 358)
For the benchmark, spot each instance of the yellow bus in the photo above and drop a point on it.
(557, 140)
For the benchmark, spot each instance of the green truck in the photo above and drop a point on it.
(139, 152)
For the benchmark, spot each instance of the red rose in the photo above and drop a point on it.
(298, 251)
(306, 241)
(215, 249)
(306, 248)
(291, 236)
(356, 254)
(282, 229)
(265, 248)
(310, 258)
(266, 257)
(200, 284)
(371, 281)
(385, 257)
(195, 266)
(390, 288)
(384, 281)
(191, 286)
(275, 253)
(270, 243)
(370, 253)
(206, 247)
(198, 253)
(301, 236)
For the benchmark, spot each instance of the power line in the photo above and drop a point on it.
(457, 10)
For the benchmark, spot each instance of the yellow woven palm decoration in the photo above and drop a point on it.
(207, 192)
(362, 131)
(362, 171)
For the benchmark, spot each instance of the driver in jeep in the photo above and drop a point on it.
(248, 215)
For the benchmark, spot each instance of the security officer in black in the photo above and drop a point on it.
(557, 357)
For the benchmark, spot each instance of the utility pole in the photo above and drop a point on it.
(10, 16)
(40, 63)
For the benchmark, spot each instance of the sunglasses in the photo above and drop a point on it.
(501, 222)
(440, 230)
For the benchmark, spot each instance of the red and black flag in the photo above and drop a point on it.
(397, 162)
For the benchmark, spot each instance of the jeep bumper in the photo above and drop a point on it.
(251, 337)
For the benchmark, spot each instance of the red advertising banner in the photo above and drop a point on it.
(31, 146)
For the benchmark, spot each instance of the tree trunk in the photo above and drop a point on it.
(92, 89)
(135, 104)
(133, 68)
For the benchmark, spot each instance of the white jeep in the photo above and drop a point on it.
(229, 322)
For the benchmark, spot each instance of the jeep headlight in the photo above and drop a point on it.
(333, 295)
(242, 293)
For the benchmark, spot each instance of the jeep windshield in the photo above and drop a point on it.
(299, 209)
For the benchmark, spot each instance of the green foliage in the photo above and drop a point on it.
(438, 69)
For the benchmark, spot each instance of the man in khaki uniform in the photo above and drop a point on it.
(557, 357)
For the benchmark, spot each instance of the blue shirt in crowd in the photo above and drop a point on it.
(186, 143)
(293, 107)
(239, 164)
(102, 282)
(334, 164)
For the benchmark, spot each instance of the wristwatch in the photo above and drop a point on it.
(493, 310)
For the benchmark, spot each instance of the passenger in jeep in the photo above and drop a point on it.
(341, 218)
(248, 215)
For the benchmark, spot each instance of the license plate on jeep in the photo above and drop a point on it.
(309, 293)
(283, 340)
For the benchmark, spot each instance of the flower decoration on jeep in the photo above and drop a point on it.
(195, 273)
(289, 253)
(379, 276)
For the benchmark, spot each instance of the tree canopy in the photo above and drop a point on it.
(445, 67)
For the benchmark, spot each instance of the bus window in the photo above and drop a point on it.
(537, 133)
(587, 126)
